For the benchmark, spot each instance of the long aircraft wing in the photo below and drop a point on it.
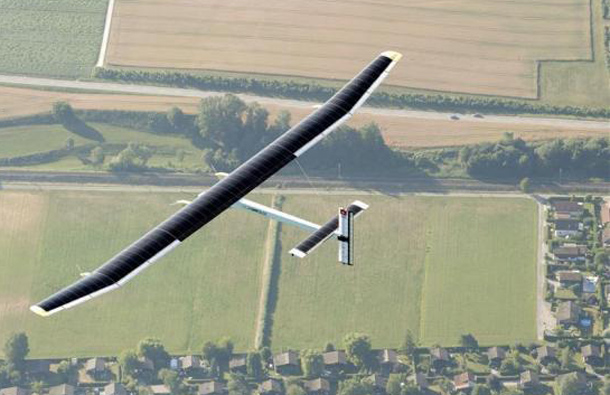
(168, 235)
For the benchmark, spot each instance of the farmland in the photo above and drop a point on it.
(414, 255)
(60, 38)
(471, 46)
(398, 131)
(46, 239)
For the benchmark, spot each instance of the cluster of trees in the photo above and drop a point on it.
(12, 369)
(314, 91)
(512, 158)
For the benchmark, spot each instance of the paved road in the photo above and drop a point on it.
(544, 316)
(181, 92)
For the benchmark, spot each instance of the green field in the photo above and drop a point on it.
(206, 289)
(24, 140)
(59, 38)
(439, 266)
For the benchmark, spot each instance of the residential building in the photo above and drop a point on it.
(464, 381)
(439, 357)
(570, 253)
(589, 284)
(606, 236)
(496, 355)
(160, 389)
(419, 380)
(388, 359)
(64, 389)
(568, 313)
(270, 387)
(529, 379)
(239, 363)
(591, 354)
(286, 362)
(211, 388)
(569, 278)
(115, 389)
(334, 359)
(568, 227)
(567, 209)
(378, 381)
(95, 367)
(190, 363)
(605, 213)
(546, 354)
(14, 391)
(318, 386)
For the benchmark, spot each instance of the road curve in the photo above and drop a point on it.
(183, 92)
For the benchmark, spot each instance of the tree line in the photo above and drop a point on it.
(317, 92)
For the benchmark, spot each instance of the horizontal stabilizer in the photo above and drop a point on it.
(325, 232)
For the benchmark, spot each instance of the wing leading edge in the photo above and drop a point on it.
(169, 234)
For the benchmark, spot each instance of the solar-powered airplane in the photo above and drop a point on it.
(230, 191)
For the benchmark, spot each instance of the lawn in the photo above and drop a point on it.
(59, 38)
(206, 289)
(24, 140)
(439, 267)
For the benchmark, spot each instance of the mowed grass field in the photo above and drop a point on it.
(437, 266)
(58, 38)
(206, 289)
(398, 131)
(469, 46)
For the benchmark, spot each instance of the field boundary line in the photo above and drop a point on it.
(105, 38)
(266, 302)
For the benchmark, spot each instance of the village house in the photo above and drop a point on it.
(64, 389)
(318, 386)
(496, 355)
(388, 359)
(115, 389)
(546, 355)
(190, 364)
(529, 379)
(270, 387)
(418, 380)
(378, 382)
(605, 213)
(211, 388)
(160, 389)
(145, 365)
(334, 360)
(568, 313)
(580, 384)
(569, 278)
(589, 284)
(14, 391)
(568, 228)
(464, 381)
(96, 367)
(591, 354)
(570, 253)
(566, 209)
(606, 236)
(286, 362)
(239, 363)
(439, 357)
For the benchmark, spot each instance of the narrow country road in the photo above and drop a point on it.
(182, 92)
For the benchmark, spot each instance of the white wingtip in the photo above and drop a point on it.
(297, 253)
(39, 311)
(360, 204)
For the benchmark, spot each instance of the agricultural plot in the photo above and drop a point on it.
(206, 289)
(439, 267)
(471, 46)
(60, 38)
